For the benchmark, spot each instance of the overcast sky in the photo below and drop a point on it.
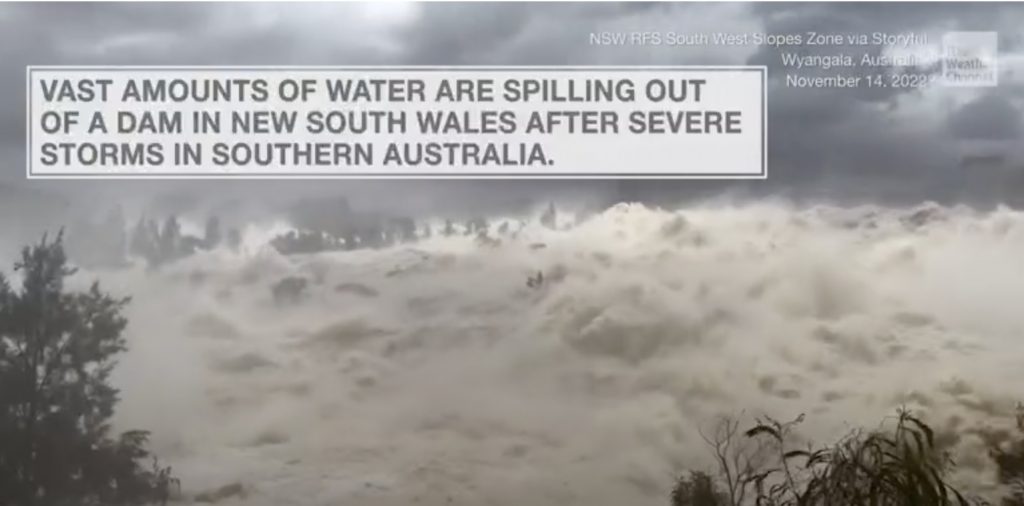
(940, 143)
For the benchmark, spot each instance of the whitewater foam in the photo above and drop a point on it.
(432, 373)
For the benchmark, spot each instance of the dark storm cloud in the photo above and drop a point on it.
(992, 116)
(516, 33)
(860, 135)
(180, 33)
(885, 144)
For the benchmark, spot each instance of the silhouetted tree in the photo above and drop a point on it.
(902, 464)
(117, 235)
(329, 215)
(293, 242)
(404, 229)
(144, 239)
(550, 217)
(371, 236)
(57, 351)
(476, 225)
(170, 240)
(1009, 459)
(350, 240)
(212, 235)
(188, 245)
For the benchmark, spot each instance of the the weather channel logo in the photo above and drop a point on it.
(970, 59)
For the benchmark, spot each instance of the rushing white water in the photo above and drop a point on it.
(432, 374)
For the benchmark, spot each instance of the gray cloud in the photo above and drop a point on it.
(866, 144)
(992, 116)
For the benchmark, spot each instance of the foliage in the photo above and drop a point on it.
(449, 228)
(698, 489)
(549, 218)
(1010, 464)
(211, 233)
(57, 351)
(901, 466)
(293, 242)
(159, 245)
(326, 224)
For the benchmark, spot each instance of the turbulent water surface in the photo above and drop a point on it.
(432, 374)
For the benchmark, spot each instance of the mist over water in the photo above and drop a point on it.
(431, 373)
